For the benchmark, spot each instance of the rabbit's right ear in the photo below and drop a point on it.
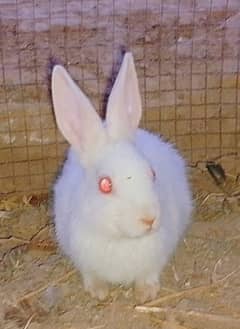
(75, 116)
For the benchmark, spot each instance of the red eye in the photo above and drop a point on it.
(105, 184)
(153, 173)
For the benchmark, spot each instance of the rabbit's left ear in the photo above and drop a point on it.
(124, 106)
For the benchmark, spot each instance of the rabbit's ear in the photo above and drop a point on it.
(124, 107)
(75, 115)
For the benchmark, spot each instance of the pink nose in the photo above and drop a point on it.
(148, 221)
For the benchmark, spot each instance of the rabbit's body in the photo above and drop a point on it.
(116, 258)
(126, 233)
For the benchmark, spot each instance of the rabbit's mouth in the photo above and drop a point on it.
(136, 233)
(125, 225)
(151, 230)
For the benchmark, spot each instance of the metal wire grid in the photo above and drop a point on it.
(190, 95)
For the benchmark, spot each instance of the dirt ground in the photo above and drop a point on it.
(200, 285)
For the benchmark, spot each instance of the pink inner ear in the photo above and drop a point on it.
(124, 107)
(76, 117)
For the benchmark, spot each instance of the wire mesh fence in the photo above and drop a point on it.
(187, 58)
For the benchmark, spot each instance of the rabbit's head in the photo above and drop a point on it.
(119, 184)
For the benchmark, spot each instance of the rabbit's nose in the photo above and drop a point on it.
(148, 221)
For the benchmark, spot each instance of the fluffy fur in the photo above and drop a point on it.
(103, 233)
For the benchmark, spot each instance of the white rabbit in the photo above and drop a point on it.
(122, 201)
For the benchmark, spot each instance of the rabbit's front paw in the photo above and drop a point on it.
(146, 290)
(96, 287)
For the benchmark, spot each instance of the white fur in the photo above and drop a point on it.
(103, 233)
